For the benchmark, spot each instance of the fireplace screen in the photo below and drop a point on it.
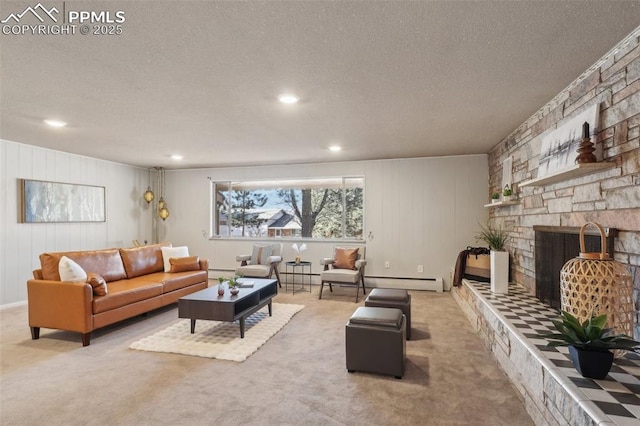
(555, 245)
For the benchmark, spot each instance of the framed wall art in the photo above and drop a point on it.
(46, 202)
(559, 147)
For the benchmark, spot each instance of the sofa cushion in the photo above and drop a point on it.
(183, 279)
(184, 264)
(256, 271)
(169, 252)
(171, 282)
(143, 260)
(126, 292)
(98, 284)
(341, 276)
(106, 263)
(70, 270)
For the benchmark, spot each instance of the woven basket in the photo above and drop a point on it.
(594, 284)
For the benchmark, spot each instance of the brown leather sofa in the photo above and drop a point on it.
(136, 284)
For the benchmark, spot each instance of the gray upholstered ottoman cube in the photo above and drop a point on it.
(392, 298)
(375, 341)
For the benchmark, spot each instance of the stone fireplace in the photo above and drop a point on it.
(555, 245)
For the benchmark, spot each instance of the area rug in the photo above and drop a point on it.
(220, 340)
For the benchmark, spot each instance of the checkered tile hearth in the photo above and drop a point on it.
(618, 396)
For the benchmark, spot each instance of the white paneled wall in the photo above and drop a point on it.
(128, 216)
(420, 211)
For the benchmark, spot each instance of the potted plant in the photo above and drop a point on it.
(590, 343)
(234, 285)
(495, 197)
(507, 193)
(496, 237)
(221, 281)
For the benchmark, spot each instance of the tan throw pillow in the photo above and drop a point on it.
(183, 264)
(345, 258)
(98, 283)
(169, 252)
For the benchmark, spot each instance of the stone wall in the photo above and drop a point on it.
(609, 197)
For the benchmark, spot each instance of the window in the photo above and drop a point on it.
(302, 208)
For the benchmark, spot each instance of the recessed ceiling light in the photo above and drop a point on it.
(177, 156)
(288, 98)
(335, 148)
(55, 123)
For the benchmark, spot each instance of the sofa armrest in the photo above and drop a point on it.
(274, 260)
(327, 261)
(204, 264)
(243, 258)
(61, 305)
(361, 263)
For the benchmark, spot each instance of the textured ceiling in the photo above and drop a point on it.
(383, 79)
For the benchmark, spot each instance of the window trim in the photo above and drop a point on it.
(317, 181)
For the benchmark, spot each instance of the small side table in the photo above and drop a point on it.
(293, 265)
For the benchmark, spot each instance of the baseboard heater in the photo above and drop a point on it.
(407, 283)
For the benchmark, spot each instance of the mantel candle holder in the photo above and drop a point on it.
(586, 148)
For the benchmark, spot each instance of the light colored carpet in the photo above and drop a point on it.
(217, 339)
(298, 377)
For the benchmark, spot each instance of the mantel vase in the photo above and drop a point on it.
(500, 272)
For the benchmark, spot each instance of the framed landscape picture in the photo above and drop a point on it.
(45, 202)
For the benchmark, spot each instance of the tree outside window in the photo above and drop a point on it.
(244, 205)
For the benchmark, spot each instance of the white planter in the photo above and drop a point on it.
(500, 271)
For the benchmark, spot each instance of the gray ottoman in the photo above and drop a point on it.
(375, 341)
(392, 298)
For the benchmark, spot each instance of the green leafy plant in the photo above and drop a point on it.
(233, 282)
(494, 236)
(588, 335)
(507, 191)
(495, 195)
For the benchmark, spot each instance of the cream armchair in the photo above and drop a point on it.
(345, 267)
(263, 262)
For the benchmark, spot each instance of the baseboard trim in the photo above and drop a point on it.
(407, 283)
(13, 305)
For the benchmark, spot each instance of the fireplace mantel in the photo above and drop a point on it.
(608, 232)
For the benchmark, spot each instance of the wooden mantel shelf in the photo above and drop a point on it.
(569, 173)
(502, 203)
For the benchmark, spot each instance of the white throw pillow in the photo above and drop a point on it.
(71, 271)
(169, 252)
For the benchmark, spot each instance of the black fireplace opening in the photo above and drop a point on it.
(554, 246)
